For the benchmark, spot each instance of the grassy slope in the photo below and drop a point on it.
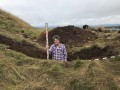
(15, 30)
(19, 72)
(13, 25)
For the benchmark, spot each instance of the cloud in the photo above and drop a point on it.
(64, 12)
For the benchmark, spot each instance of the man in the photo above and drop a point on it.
(58, 50)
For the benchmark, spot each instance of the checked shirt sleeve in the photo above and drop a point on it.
(65, 53)
(51, 49)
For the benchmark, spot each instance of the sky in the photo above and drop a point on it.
(64, 12)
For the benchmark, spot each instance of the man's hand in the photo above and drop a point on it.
(47, 47)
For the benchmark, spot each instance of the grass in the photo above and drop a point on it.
(117, 58)
(15, 25)
(20, 72)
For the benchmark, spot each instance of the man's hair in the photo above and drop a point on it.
(56, 37)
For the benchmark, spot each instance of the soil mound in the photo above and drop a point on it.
(70, 35)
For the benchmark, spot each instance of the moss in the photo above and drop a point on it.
(55, 71)
(77, 64)
(77, 84)
(117, 58)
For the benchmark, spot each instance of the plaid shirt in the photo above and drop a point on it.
(58, 53)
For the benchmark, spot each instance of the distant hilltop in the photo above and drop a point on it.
(102, 25)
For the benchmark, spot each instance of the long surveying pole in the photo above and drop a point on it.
(47, 44)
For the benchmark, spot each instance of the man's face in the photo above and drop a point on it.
(56, 41)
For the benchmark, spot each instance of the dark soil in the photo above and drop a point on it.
(119, 31)
(70, 36)
(23, 47)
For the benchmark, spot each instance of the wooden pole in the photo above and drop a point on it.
(47, 44)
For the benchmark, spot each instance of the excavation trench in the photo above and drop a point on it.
(23, 47)
(35, 52)
(94, 52)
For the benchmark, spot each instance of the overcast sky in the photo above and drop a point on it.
(64, 12)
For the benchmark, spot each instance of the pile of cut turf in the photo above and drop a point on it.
(70, 35)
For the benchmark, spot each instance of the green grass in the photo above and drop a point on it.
(117, 58)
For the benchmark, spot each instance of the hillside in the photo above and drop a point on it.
(19, 35)
(13, 25)
(23, 65)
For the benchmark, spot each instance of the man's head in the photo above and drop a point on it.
(56, 40)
